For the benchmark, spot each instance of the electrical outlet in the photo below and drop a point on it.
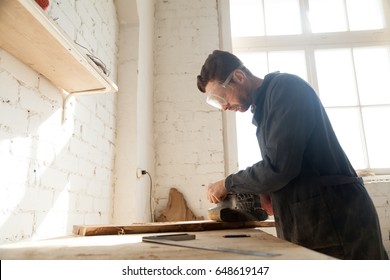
(139, 173)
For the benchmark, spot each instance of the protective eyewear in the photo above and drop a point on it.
(216, 100)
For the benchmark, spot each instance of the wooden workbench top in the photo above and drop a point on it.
(131, 247)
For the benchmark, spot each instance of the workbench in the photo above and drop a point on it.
(131, 247)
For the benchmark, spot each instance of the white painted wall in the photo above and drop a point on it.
(135, 142)
(55, 175)
(379, 190)
(188, 133)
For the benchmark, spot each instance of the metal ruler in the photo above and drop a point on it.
(179, 242)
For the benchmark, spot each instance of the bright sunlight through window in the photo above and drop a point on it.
(342, 48)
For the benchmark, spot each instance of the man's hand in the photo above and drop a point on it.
(216, 192)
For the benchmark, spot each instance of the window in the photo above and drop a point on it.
(341, 47)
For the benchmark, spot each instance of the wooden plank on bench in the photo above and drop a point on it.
(87, 230)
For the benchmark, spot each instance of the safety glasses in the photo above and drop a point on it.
(216, 100)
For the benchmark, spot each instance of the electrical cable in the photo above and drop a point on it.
(150, 194)
(96, 60)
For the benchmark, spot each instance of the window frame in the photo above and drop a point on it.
(309, 42)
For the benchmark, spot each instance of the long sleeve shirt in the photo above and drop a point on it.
(295, 137)
(317, 199)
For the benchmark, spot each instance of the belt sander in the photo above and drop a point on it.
(238, 208)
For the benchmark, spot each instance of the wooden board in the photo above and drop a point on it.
(30, 35)
(165, 227)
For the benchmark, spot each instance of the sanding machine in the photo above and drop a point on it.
(238, 208)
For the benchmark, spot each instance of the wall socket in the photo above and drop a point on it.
(139, 173)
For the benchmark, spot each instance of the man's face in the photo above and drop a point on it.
(228, 95)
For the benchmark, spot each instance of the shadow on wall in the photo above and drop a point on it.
(54, 175)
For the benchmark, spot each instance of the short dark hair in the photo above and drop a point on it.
(218, 66)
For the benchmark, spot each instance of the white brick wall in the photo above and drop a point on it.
(135, 142)
(188, 133)
(380, 194)
(56, 175)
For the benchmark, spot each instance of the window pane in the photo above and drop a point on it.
(293, 62)
(246, 18)
(346, 124)
(373, 74)
(365, 14)
(256, 62)
(377, 135)
(247, 146)
(336, 78)
(282, 17)
(327, 16)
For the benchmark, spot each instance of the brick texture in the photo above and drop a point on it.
(55, 174)
(380, 194)
(188, 133)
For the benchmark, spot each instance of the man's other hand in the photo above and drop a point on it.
(216, 192)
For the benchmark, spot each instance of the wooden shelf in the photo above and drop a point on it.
(29, 34)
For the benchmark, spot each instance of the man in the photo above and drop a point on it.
(317, 199)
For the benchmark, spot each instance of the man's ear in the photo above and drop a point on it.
(239, 76)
